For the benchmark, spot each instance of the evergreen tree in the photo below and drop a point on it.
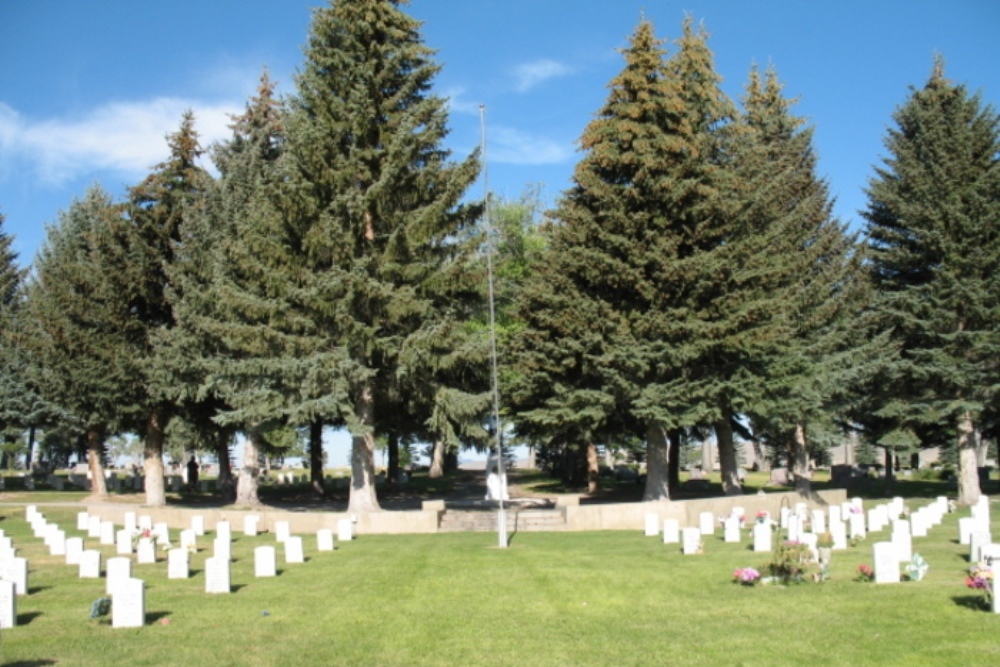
(80, 329)
(931, 217)
(373, 203)
(147, 241)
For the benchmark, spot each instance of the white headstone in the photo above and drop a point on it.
(57, 543)
(145, 552)
(965, 526)
(90, 564)
(281, 530)
(188, 540)
(835, 513)
(731, 529)
(222, 548)
(761, 537)
(123, 542)
(978, 540)
(856, 526)
(119, 569)
(264, 561)
(146, 522)
(178, 565)
(107, 534)
(345, 530)
(811, 540)
(16, 570)
(794, 528)
(131, 525)
(8, 604)
(128, 610)
(94, 526)
(324, 540)
(783, 517)
(671, 531)
(162, 533)
(838, 531)
(224, 529)
(652, 524)
(250, 523)
(706, 523)
(902, 539)
(74, 547)
(886, 563)
(691, 540)
(818, 521)
(293, 550)
(198, 524)
(82, 520)
(919, 521)
(217, 575)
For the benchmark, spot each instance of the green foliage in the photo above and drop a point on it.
(793, 563)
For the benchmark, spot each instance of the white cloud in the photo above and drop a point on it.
(123, 137)
(511, 146)
(529, 75)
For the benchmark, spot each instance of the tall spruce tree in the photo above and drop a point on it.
(807, 273)
(375, 205)
(80, 329)
(148, 239)
(932, 213)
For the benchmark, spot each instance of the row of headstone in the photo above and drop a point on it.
(889, 556)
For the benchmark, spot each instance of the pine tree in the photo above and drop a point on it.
(372, 205)
(80, 331)
(931, 217)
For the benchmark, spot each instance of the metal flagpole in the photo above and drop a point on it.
(501, 471)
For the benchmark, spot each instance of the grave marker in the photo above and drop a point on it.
(761, 537)
(671, 531)
(74, 547)
(886, 563)
(691, 541)
(90, 564)
(123, 542)
(146, 551)
(293, 550)
(345, 530)
(324, 540)
(706, 523)
(652, 524)
(16, 570)
(178, 566)
(217, 575)
(8, 604)
(129, 607)
(250, 524)
(264, 561)
(119, 569)
(282, 531)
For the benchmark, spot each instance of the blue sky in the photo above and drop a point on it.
(89, 90)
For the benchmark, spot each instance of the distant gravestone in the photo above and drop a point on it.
(161, 531)
(836, 513)
(129, 607)
(652, 524)
(671, 531)
(57, 543)
(123, 542)
(90, 564)
(856, 525)
(324, 540)
(222, 548)
(146, 522)
(94, 526)
(731, 529)
(145, 552)
(919, 522)
(281, 530)
(224, 529)
(107, 534)
(16, 571)
(250, 524)
(118, 569)
(794, 528)
(74, 547)
(886, 563)
(293, 549)
(8, 604)
(178, 565)
(217, 577)
(965, 527)
(188, 540)
(838, 532)
(131, 525)
(977, 540)
(691, 541)
(818, 521)
(345, 530)
(761, 537)
(706, 523)
(198, 524)
(902, 538)
(82, 520)
(264, 564)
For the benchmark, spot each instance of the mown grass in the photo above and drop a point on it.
(550, 599)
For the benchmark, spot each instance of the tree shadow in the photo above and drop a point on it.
(973, 602)
(28, 663)
(27, 617)
(236, 588)
(37, 589)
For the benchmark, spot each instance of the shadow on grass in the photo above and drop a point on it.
(154, 616)
(37, 589)
(973, 602)
(28, 663)
(27, 617)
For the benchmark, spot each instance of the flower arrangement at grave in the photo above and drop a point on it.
(793, 562)
(143, 534)
(865, 573)
(100, 607)
(916, 568)
(746, 576)
(763, 516)
(981, 579)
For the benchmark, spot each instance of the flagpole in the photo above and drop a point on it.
(501, 471)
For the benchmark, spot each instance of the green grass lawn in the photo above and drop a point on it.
(610, 598)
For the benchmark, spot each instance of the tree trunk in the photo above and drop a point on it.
(800, 461)
(657, 463)
(593, 468)
(968, 472)
(246, 485)
(890, 472)
(316, 458)
(707, 457)
(763, 464)
(152, 467)
(95, 446)
(727, 456)
(392, 465)
(31, 448)
(437, 460)
(363, 497)
(227, 487)
(674, 462)
(982, 449)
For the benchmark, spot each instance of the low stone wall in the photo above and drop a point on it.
(619, 516)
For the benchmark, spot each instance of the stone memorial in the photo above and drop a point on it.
(250, 525)
(82, 521)
(838, 531)
(886, 563)
(762, 537)
(74, 547)
(123, 542)
(131, 524)
(264, 561)
(57, 544)
(128, 609)
(8, 605)
(902, 539)
(671, 531)
(217, 575)
(107, 533)
(178, 564)
(818, 521)
(691, 541)
(293, 549)
(222, 548)
(224, 529)
(856, 525)
(977, 540)
(965, 527)
(146, 523)
(90, 564)
(731, 529)
(706, 523)
(783, 516)
(345, 530)
(794, 533)
(94, 526)
(189, 540)
(836, 513)
(161, 531)
(118, 569)
(16, 570)
(145, 552)
(652, 524)
(282, 531)
(198, 525)
(324, 540)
